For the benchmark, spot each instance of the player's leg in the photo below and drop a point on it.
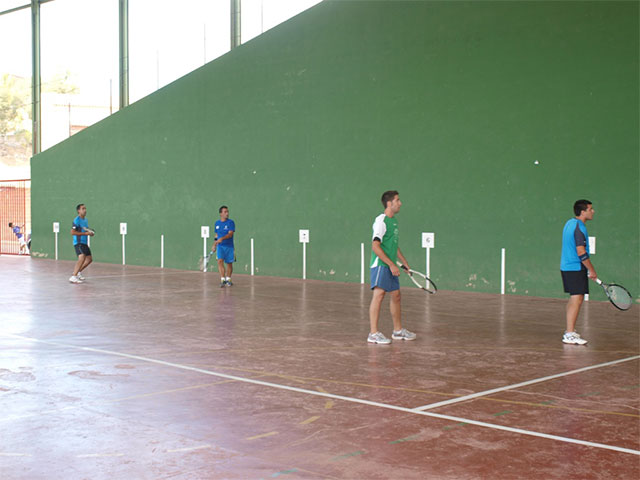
(396, 310)
(220, 258)
(374, 309)
(399, 333)
(576, 284)
(87, 261)
(573, 310)
(229, 258)
(228, 273)
(74, 278)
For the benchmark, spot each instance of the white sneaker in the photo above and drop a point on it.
(573, 338)
(403, 334)
(81, 277)
(378, 338)
(74, 279)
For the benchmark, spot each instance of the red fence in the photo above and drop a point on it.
(15, 208)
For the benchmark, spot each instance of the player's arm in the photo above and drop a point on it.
(583, 255)
(403, 259)
(586, 261)
(226, 237)
(377, 249)
(78, 233)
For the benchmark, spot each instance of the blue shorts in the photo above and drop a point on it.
(226, 253)
(382, 277)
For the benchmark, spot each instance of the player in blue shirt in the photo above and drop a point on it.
(80, 231)
(576, 267)
(20, 236)
(223, 246)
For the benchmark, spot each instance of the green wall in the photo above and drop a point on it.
(451, 103)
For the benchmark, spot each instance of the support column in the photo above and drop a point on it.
(236, 23)
(36, 108)
(124, 53)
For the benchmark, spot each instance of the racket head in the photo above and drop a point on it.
(618, 296)
(419, 279)
(202, 263)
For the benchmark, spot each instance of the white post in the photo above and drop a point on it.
(362, 263)
(428, 263)
(56, 229)
(204, 252)
(252, 269)
(304, 239)
(161, 251)
(502, 271)
(304, 261)
(204, 233)
(123, 232)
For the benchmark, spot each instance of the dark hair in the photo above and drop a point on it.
(388, 196)
(223, 206)
(580, 206)
(78, 207)
(10, 224)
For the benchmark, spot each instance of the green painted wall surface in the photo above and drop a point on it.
(451, 103)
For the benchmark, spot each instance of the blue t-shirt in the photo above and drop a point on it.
(16, 230)
(222, 229)
(574, 235)
(79, 224)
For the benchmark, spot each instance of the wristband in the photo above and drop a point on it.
(583, 257)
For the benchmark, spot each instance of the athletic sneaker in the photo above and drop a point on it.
(229, 283)
(403, 334)
(223, 283)
(74, 279)
(80, 276)
(573, 338)
(378, 338)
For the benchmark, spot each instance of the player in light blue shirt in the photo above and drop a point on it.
(81, 233)
(576, 267)
(223, 246)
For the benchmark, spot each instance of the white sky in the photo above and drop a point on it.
(167, 39)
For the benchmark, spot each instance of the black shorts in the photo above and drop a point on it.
(575, 283)
(82, 249)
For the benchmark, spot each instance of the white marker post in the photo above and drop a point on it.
(123, 232)
(428, 242)
(592, 251)
(56, 230)
(252, 269)
(204, 233)
(502, 271)
(362, 263)
(161, 251)
(304, 239)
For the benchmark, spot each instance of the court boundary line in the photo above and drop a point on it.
(333, 396)
(521, 384)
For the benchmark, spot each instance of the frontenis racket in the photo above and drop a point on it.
(617, 295)
(204, 261)
(422, 282)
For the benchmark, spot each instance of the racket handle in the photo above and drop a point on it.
(402, 266)
(598, 281)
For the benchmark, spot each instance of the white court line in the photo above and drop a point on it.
(161, 273)
(338, 397)
(517, 385)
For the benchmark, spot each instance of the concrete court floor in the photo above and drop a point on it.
(142, 373)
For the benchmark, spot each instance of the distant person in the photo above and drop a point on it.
(576, 267)
(223, 246)
(24, 249)
(385, 272)
(80, 231)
